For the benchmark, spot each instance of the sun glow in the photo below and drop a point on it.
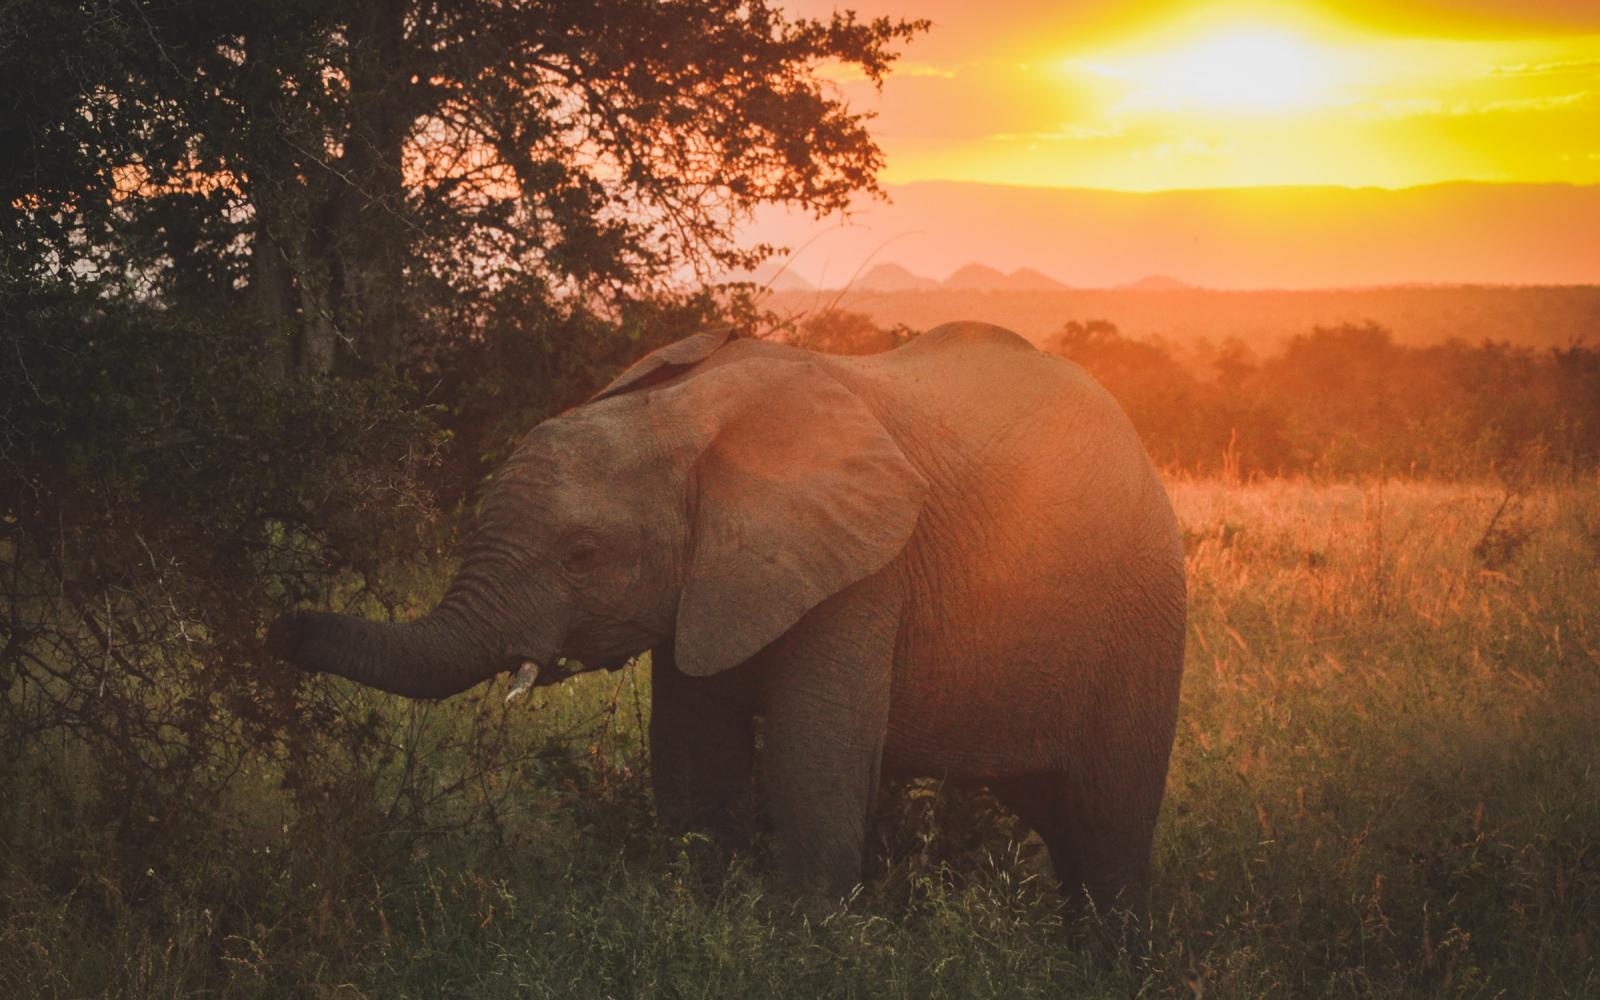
(1166, 94)
(1237, 70)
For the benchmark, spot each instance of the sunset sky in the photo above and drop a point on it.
(1168, 94)
(1297, 144)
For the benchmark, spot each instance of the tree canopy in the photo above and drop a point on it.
(370, 179)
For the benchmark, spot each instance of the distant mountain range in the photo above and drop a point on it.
(968, 278)
(893, 278)
(1036, 238)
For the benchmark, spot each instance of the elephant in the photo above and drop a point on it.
(952, 559)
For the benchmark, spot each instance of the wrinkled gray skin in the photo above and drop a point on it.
(953, 559)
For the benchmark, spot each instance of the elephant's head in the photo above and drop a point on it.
(714, 510)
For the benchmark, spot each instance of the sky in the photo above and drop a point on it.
(1166, 94)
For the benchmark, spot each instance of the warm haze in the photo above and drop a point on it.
(1156, 97)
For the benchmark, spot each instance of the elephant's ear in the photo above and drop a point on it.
(799, 493)
(665, 362)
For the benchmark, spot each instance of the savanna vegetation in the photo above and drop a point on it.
(1351, 401)
(279, 285)
(1383, 786)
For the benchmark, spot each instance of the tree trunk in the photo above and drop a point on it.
(329, 244)
(289, 273)
(271, 279)
(319, 336)
(270, 287)
(369, 222)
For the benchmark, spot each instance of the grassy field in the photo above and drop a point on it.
(1386, 783)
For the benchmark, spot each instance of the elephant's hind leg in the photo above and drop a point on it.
(1099, 842)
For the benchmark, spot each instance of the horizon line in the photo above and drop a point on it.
(1182, 285)
(1223, 189)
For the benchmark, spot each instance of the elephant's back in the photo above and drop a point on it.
(963, 335)
(955, 359)
(988, 395)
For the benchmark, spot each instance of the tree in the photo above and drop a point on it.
(840, 331)
(367, 177)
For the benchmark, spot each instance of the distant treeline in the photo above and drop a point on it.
(1536, 316)
(1336, 401)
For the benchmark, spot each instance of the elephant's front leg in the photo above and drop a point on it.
(702, 744)
(827, 701)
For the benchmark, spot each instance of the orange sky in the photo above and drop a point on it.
(1169, 94)
(1128, 104)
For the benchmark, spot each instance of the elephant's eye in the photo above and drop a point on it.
(581, 556)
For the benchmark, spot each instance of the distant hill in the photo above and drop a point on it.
(1245, 238)
(1026, 279)
(1535, 316)
(976, 278)
(773, 277)
(892, 278)
(983, 278)
(788, 281)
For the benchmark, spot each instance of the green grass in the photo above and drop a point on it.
(1386, 783)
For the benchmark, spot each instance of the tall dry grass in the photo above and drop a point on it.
(1385, 777)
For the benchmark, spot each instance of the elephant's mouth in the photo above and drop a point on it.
(531, 674)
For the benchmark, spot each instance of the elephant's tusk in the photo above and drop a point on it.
(526, 676)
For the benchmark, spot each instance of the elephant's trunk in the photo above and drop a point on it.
(436, 656)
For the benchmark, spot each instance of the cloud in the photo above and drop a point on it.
(1567, 68)
(1432, 107)
(1555, 103)
(1390, 108)
(1188, 147)
(1071, 132)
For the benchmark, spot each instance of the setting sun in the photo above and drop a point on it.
(1179, 94)
(1239, 70)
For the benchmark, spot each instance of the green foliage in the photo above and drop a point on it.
(158, 498)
